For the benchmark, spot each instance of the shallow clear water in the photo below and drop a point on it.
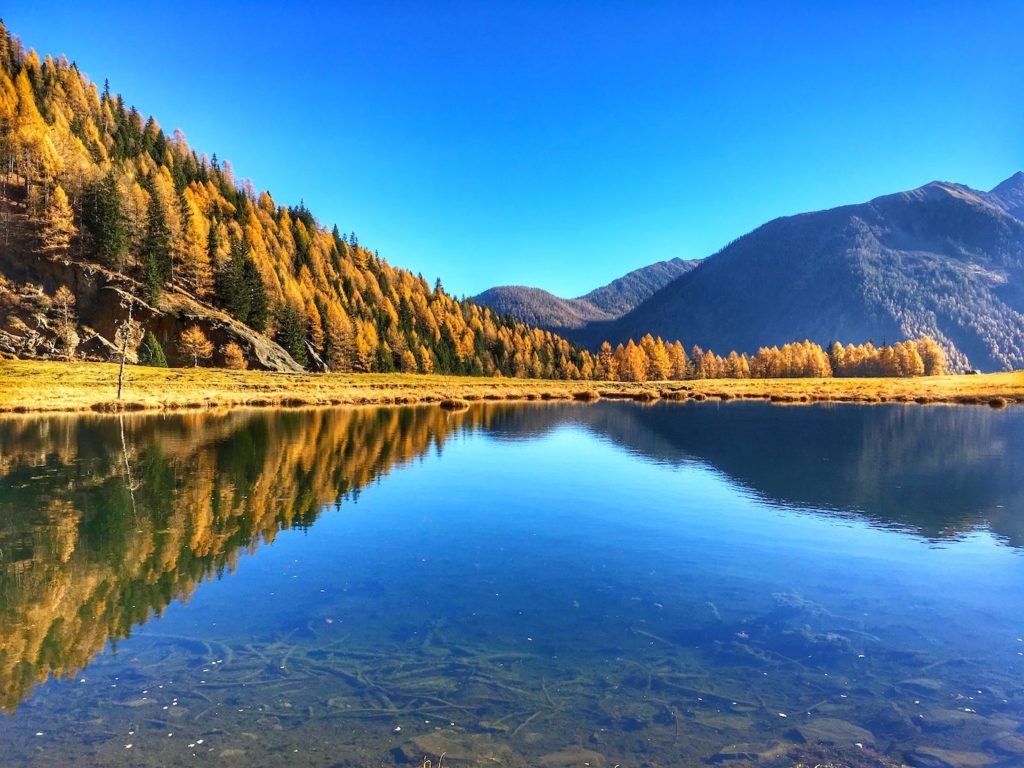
(547, 584)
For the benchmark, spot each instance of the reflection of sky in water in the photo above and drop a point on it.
(582, 553)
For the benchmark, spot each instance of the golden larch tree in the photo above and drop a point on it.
(58, 224)
(194, 344)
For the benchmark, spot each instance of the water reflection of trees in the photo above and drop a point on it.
(98, 534)
(104, 521)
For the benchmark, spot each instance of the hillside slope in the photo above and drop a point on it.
(539, 307)
(94, 196)
(943, 260)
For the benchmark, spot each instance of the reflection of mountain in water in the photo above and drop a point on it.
(104, 522)
(935, 471)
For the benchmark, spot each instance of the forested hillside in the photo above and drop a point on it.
(539, 307)
(101, 200)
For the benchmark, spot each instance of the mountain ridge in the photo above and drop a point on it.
(539, 307)
(943, 260)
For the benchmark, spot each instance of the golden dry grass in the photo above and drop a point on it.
(41, 386)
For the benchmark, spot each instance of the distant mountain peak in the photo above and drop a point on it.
(1009, 195)
(1015, 182)
(536, 306)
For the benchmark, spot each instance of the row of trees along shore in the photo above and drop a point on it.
(650, 360)
(103, 185)
(654, 360)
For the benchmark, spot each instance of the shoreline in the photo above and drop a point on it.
(40, 387)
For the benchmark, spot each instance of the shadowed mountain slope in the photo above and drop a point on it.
(539, 307)
(943, 260)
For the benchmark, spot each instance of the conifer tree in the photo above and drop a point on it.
(151, 353)
(66, 326)
(291, 333)
(105, 220)
(234, 357)
(58, 224)
(259, 306)
(156, 250)
(230, 285)
(194, 344)
(196, 272)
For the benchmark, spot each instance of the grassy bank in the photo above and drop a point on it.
(34, 386)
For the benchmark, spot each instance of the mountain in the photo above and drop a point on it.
(538, 307)
(102, 211)
(942, 260)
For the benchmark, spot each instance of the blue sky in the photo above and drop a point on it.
(562, 144)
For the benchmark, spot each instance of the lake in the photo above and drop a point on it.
(549, 585)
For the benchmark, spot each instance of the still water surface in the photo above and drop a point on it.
(550, 584)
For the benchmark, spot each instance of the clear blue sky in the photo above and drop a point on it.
(562, 144)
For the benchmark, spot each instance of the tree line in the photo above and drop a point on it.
(655, 360)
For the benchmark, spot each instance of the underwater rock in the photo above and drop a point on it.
(459, 749)
(921, 685)
(831, 730)
(750, 753)
(722, 721)
(1008, 744)
(232, 753)
(943, 719)
(933, 757)
(572, 757)
(828, 756)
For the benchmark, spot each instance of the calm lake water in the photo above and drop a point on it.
(520, 585)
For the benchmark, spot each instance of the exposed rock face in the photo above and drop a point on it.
(102, 298)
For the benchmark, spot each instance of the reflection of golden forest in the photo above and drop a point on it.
(106, 521)
(100, 533)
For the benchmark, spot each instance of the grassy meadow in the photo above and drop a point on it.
(44, 386)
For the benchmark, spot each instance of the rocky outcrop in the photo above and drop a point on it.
(27, 317)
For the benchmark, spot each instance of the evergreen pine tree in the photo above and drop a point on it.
(231, 291)
(151, 353)
(213, 242)
(291, 333)
(105, 219)
(259, 307)
(156, 251)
